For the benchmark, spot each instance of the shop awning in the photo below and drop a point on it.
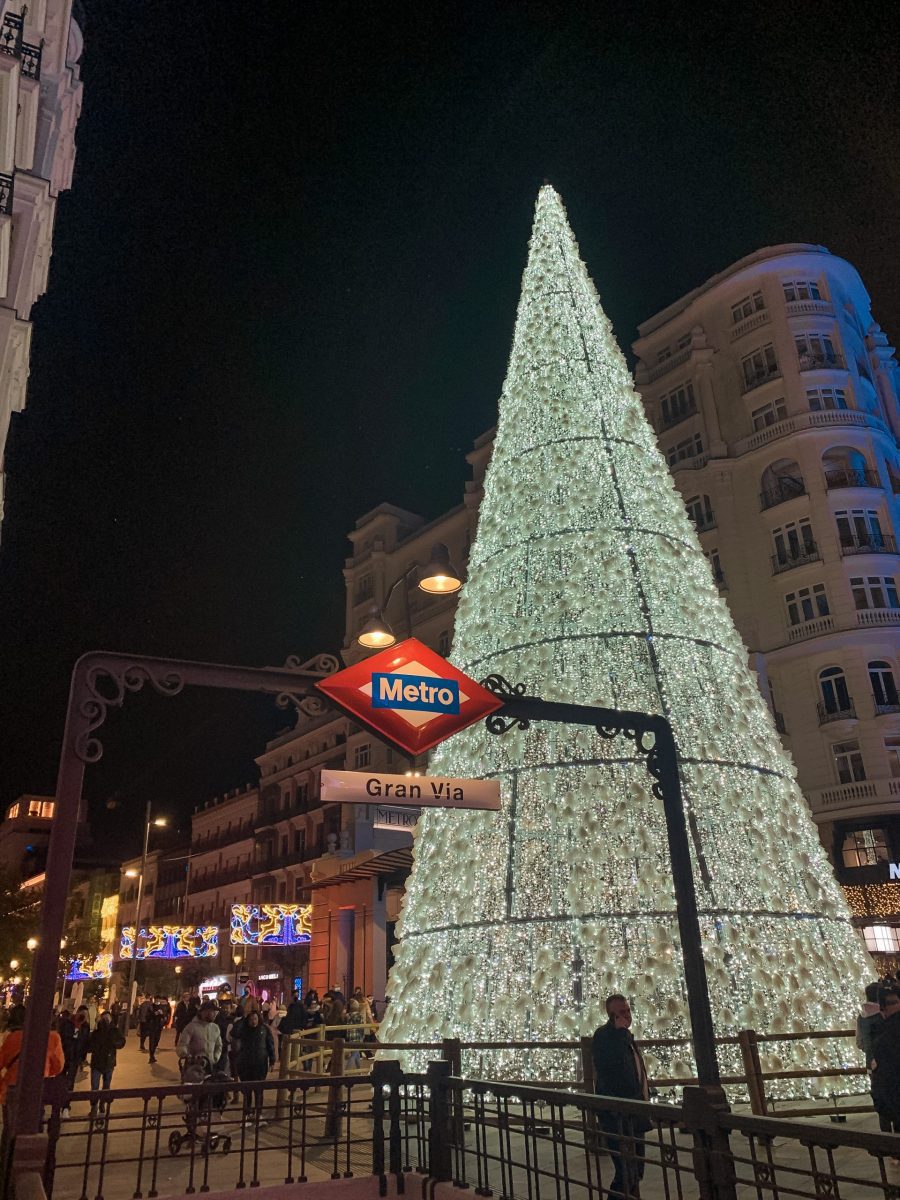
(353, 869)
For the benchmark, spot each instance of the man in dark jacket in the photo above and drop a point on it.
(885, 1064)
(102, 1046)
(183, 1014)
(619, 1071)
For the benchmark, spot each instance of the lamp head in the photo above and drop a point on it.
(439, 577)
(132, 873)
(160, 821)
(13, 964)
(375, 633)
(32, 943)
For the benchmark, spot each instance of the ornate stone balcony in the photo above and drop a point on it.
(789, 559)
(827, 419)
(860, 799)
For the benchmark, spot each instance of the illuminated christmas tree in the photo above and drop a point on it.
(588, 584)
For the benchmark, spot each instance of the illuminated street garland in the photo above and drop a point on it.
(271, 924)
(170, 941)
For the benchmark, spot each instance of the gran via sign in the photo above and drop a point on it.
(418, 791)
(409, 696)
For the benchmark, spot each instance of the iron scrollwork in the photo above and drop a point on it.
(107, 686)
(505, 691)
(647, 745)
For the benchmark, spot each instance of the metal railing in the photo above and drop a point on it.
(822, 362)
(786, 559)
(755, 379)
(31, 60)
(789, 487)
(682, 414)
(874, 544)
(845, 477)
(827, 714)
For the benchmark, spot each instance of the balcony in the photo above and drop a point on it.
(758, 378)
(884, 710)
(885, 544)
(846, 478)
(689, 410)
(787, 488)
(788, 558)
(11, 34)
(31, 61)
(821, 362)
(867, 618)
(806, 308)
(827, 419)
(810, 629)
(868, 796)
(829, 715)
(779, 722)
(705, 523)
(754, 321)
(668, 364)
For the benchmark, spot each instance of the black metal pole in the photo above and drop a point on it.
(662, 762)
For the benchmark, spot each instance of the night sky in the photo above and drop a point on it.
(283, 289)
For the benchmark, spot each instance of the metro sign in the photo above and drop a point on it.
(410, 696)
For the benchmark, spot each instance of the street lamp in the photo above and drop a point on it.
(438, 577)
(14, 964)
(159, 823)
(32, 944)
(236, 959)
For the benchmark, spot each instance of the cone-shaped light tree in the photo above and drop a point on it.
(587, 583)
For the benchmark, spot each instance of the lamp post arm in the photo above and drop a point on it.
(389, 593)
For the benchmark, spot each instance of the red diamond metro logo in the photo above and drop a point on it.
(410, 696)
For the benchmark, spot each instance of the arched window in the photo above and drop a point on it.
(781, 480)
(845, 466)
(700, 510)
(833, 686)
(884, 689)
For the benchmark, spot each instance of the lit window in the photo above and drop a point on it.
(874, 591)
(865, 848)
(882, 938)
(13, 811)
(362, 756)
(848, 762)
(747, 307)
(769, 414)
(820, 399)
(807, 604)
(801, 289)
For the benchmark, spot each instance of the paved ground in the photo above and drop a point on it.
(137, 1160)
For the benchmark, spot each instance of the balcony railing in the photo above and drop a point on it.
(787, 488)
(673, 419)
(877, 616)
(827, 714)
(758, 378)
(827, 418)
(31, 61)
(7, 186)
(668, 364)
(810, 629)
(865, 794)
(885, 544)
(787, 559)
(804, 308)
(821, 362)
(11, 34)
(754, 321)
(845, 477)
(882, 710)
(779, 722)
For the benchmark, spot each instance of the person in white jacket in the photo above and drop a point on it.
(201, 1037)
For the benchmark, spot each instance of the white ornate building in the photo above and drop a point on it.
(40, 101)
(774, 395)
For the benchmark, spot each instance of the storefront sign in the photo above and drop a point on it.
(409, 696)
(893, 870)
(394, 818)
(418, 791)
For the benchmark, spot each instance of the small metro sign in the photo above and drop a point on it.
(410, 696)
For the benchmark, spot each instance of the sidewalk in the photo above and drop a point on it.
(133, 1068)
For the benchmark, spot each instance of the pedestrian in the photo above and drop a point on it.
(619, 1071)
(885, 1062)
(182, 1014)
(314, 1016)
(333, 1013)
(201, 1037)
(224, 1020)
(365, 1006)
(54, 1059)
(354, 1036)
(82, 1032)
(868, 1023)
(166, 1007)
(92, 1012)
(255, 1055)
(156, 1021)
(143, 1015)
(295, 1017)
(102, 1045)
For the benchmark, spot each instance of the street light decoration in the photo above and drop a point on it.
(169, 941)
(96, 968)
(271, 924)
(587, 583)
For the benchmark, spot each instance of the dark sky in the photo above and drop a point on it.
(284, 283)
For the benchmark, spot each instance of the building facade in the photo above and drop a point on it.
(774, 396)
(40, 101)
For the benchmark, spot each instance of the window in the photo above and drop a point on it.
(299, 842)
(699, 509)
(13, 811)
(848, 762)
(806, 604)
(362, 756)
(689, 448)
(859, 527)
(759, 366)
(865, 848)
(363, 589)
(815, 350)
(892, 750)
(747, 307)
(444, 643)
(801, 289)
(716, 567)
(884, 939)
(874, 591)
(677, 404)
(768, 415)
(884, 689)
(833, 686)
(284, 845)
(822, 399)
(793, 541)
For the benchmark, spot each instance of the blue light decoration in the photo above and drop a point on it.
(170, 941)
(99, 967)
(271, 924)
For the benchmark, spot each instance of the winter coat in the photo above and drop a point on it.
(54, 1060)
(256, 1051)
(200, 1039)
(103, 1044)
(886, 1073)
(868, 1027)
(617, 1063)
(293, 1019)
(183, 1017)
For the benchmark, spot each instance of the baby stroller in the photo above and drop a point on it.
(199, 1110)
